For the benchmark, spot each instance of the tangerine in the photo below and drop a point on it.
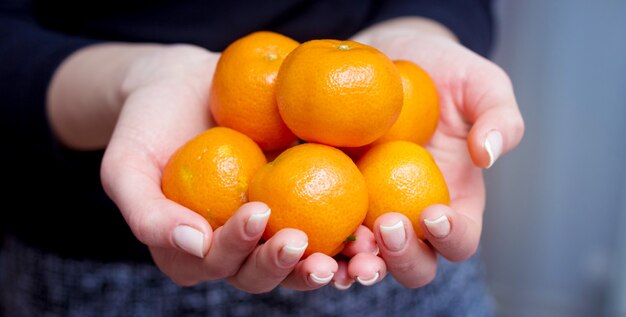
(243, 90)
(420, 110)
(402, 177)
(340, 93)
(210, 173)
(314, 188)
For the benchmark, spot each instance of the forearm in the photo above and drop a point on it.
(85, 94)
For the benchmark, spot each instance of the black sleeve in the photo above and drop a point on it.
(470, 20)
(29, 55)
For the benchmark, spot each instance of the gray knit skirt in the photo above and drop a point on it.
(35, 283)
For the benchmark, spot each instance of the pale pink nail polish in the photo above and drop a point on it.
(439, 227)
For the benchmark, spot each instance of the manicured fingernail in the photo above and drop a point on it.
(342, 287)
(190, 240)
(493, 146)
(393, 236)
(370, 281)
(438, 227)
(256, 223)
(321, 280)
(290, 255)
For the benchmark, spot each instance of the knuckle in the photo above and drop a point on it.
(425, 278)
(232, 241)
(239, 246)
(465, 252)
(250, 288)
(500, 74)
(260, 289)
(184, 282)
(518, 126)
(420, 275)
(219, 271)
(414, 273)
(140, 225)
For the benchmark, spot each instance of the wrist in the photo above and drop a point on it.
(420, 40)
(405, 28)
(170, 65)
(84, 98)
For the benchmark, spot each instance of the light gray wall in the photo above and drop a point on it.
(554, 237)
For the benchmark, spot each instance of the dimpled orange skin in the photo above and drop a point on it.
(340, 93)
(210, 174)
(314, 188)
(420, 111)
(243, 92)
(401, 177)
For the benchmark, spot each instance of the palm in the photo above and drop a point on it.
(449, 148)
(166, 106)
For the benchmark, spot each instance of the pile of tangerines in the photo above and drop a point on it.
(346, 122)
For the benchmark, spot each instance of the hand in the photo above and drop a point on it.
(479, 122)
(144, 102)
(165, 104)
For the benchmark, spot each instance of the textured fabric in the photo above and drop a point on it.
(38, 284)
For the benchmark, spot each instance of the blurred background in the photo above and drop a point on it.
(555, 225)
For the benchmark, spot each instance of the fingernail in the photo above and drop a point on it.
(376, 251)
(493, 146)
(290, 255)
(438, 227)
(256, 223)
(393, 236)
(190, 240)
(342, 287)
(370, 281)
(321, 280)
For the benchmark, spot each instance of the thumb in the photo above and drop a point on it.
(134, 185)
(498, 126)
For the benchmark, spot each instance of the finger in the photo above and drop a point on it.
(224, 257)
(453, 234)
(342, 280)
(491, 106)
(235, 240)
(271, 262)
(312, 273)
(134, 184)
(367, 269)
(364, 241)
(411, 262)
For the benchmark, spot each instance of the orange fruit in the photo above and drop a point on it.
(243, 90)
(401, 177)
(340, 93)
(420, 111)
(314, 188)
(210, 173)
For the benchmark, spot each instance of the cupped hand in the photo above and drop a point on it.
(165, 104)
(479, 121)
